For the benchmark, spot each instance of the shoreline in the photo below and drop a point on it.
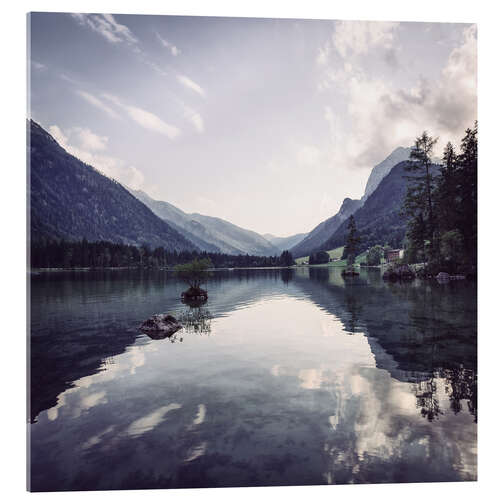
(40, 270)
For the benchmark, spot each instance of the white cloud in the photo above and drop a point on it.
(91, 141)
(107, 27)
(190, 84)
(120, 30)
(382, 116)
(351, 40)
(323, 55)
(456, 101)
(58, 135)
(195, 118)
(146, 119)
(88, 147)
(358, 37)
(136, 179)
(152, 122)
(95, 101)
(71, 141)
(69, 79)
(170, 46)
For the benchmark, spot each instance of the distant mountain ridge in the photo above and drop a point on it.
(380, 170)
(379, 220)
(72, 200)
(179, 220)
(284, 242)
(316, 239)
(210, 232)
(325, 229)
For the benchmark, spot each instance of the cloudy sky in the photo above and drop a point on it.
(267, 123)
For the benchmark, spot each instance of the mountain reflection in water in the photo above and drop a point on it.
(284, 377)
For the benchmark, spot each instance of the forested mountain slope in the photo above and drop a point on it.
(71, 200)
(379, 220)
(323, 231)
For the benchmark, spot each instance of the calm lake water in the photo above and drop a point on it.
(284, 377)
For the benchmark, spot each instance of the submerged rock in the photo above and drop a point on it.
(160, 326)
(403, 272)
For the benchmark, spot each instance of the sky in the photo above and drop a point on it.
(267, 123)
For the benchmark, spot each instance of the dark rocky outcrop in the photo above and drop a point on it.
(160, 326)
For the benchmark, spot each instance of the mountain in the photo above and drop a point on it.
(379, 220)
(70, 199)
(189, 228)
(317, 237)
(323, 231)
(210, 233)
(383, 168)
(231, 236)
(284, 242)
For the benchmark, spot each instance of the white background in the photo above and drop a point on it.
(13, 231)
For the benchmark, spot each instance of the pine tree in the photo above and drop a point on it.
(286, 259)
(467, 173)
(419, 201)
(447, 200)
(352, 241)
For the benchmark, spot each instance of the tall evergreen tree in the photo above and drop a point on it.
(286, 259)
(352, 241)
(419, 202)
(447, 199)
(442, 209)
(467, 173)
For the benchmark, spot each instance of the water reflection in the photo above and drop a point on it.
(283, 377)
(427, 400)
(196, 320)
(415, 330)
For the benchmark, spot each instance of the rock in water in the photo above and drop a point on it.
(160, 326)
(195, 294)
(403, 272)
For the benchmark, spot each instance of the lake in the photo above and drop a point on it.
(284, 377)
